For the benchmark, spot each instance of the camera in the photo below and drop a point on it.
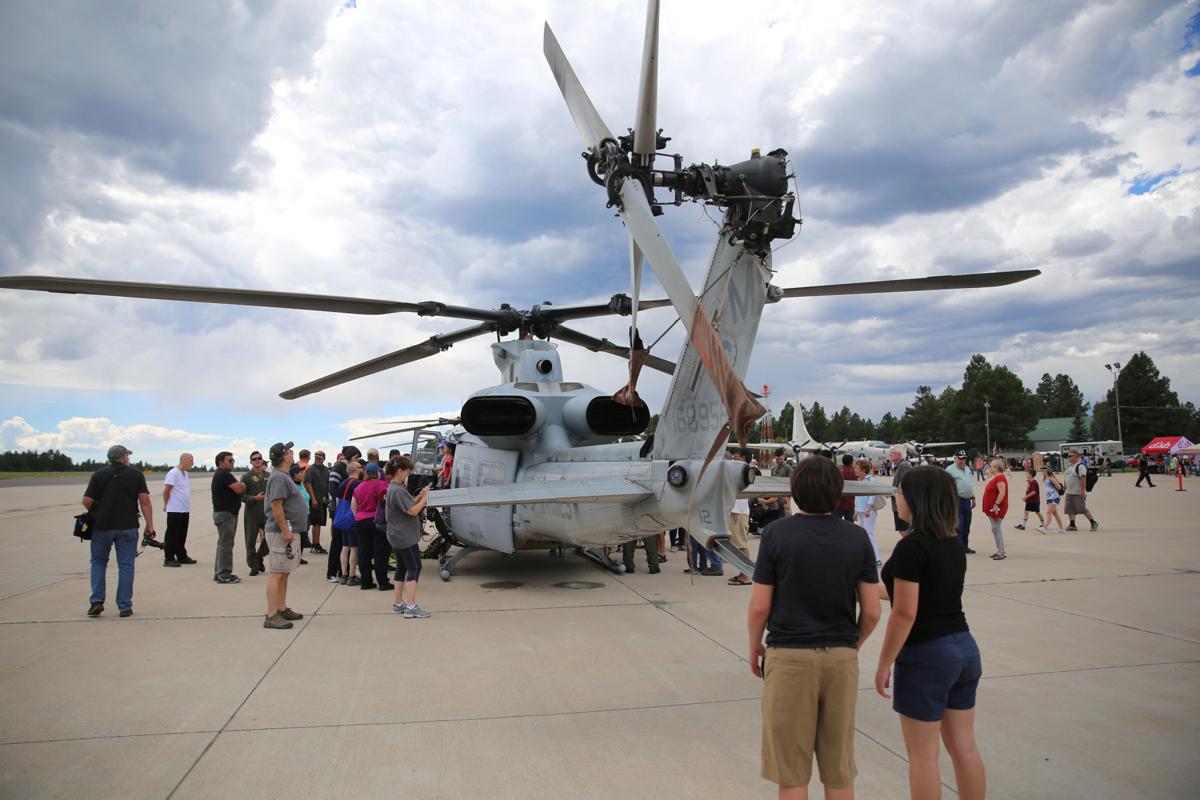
(148, 540)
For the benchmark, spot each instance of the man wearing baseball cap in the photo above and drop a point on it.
(286, 513)
(964, 484)
(113, 496)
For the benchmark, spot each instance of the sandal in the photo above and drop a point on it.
(998, 556)
(735, 581)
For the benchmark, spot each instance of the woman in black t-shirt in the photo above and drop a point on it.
(936, 658)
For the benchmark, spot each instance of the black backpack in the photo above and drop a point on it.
(1093, 476)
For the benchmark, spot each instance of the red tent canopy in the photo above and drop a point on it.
(1163, 445)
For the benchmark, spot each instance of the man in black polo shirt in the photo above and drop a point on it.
(113, 495)
(812, 568)
(227, 494)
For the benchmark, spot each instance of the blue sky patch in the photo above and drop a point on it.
(1144, 184)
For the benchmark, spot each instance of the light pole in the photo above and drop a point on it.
(1115, 369)
(987, 424)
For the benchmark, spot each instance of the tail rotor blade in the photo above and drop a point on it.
(647, 236)
(740, 405)
(645, 129)
(592, 129)
(635, 284)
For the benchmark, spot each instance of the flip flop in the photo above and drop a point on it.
(735, 582)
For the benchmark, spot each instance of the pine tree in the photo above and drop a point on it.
(1080, 430)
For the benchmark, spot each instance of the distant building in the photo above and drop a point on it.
(1051, 433)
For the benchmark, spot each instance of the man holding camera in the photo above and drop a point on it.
(286, 512)
(113, 496)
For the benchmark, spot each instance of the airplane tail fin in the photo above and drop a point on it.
(800, 434)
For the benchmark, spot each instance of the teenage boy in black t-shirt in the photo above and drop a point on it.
(813, 569)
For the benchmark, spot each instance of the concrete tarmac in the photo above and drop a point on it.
(547, 678)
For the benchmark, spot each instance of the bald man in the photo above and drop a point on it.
(177, 502)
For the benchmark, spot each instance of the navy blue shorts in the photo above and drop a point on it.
(932, 676)
(349, 537)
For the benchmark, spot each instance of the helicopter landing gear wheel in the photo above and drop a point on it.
(447, 564)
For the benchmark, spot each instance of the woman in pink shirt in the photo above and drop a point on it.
(372, 542)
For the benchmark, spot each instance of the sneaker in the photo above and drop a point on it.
(415, 612)
(333, 579)
(343, 580)
(290, 615)
(188, 560)
(1071, 527)
(1042, 530)
(364, 586)
(970, 551)
(318, 550)
(353, 581)
(95, 609)
(170, 563)
(227, 578)
(254, 571)
(126, 612)
(387, 587)
(998, 556)
(276, 622)
(303, 561)
(1020, 527)
(713, 573)
(1095, 525)
(399, 608)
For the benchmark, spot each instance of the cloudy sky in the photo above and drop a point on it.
(421, 151)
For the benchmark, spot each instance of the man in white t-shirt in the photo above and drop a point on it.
(177, 502)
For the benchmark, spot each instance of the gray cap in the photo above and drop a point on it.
(961, 454)
(118, 451)
(279, 450)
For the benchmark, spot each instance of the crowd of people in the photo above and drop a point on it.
(818, 580)
(372, 511)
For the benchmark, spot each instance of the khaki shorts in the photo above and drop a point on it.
(277, 560)
(739, 531)
(808, 703)
(1074, 504)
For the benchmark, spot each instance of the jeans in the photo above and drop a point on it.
(705, 559)
(964, 520)
(125, 542)
(226, 522)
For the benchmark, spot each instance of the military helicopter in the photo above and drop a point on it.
(875, 451)
(538, 464)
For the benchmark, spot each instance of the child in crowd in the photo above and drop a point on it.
(1033, 498)
(1054, 493)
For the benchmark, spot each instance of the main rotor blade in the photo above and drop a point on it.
(979, 280)
(605, 346)
(206, 294)
(430, 347)
(635, 210)
(645, 130)
(591, 127)
(581, 312)
(427, 424)
(248, 297)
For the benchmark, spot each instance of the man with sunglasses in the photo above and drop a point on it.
(255, 480)
(227, 492)
(286, 513)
